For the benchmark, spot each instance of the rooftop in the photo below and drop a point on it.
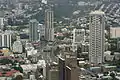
(97, 12)
(33, 20)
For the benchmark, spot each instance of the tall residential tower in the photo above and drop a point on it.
(49, 25)
(33, 30)
(97, 36)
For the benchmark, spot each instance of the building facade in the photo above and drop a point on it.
(53, 74)
(49, 25)
(78, 38)
(71, 73)
(61, 68)
(41, 30)
(17, 47)
(97, 36)
(33, 30)
(1, 23)
(68, 69)
(5, 40)
(114, 32)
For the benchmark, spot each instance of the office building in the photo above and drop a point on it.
(71, 69)
(33, 30)
(71, 73)
(78, 38)
(49, 25)
(5, 40)
(61, 68)
(97, 36)
(68, 69)
(53, 72)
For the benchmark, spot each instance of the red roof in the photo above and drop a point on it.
(9, 73)
(0, 74)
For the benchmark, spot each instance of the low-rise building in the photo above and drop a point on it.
(108, 68)
(114, 32)
(17, 47)
(117, 55)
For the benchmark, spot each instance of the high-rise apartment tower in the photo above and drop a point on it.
(97, 36)
(33, 30)
(49, 25)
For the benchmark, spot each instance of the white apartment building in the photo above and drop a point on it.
(97, 37)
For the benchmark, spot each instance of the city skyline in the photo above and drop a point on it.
(59, 40)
